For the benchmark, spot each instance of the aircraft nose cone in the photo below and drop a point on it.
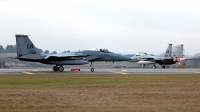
(134, 59)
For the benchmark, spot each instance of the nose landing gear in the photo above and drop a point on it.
(143, 65)
(92, 67)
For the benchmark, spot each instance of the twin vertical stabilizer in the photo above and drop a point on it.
(176, 51)
(168, 52)
(179, 51)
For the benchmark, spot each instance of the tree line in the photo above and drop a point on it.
(8, 49)
(12, 49)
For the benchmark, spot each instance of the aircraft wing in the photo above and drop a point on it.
(65, 55)
(146, 60)
(149, 59)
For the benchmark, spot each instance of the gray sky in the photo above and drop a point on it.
(122, 26)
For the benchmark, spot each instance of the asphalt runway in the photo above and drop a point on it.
(100, 71)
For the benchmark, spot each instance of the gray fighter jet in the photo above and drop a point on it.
(26, 51)
(167, 59)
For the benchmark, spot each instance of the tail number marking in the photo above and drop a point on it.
(32, 52)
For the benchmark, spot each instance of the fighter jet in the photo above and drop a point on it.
(26, 51)
(167, 59)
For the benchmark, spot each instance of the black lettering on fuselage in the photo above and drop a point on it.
(30, 46)
(32, 52)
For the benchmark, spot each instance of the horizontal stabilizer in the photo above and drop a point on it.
(12, 57)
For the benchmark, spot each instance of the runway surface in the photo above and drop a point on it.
(101, 71)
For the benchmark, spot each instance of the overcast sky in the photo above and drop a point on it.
(121, 26)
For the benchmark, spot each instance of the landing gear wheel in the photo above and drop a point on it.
(143, 65)
(61, 69)
(163, 67)
(55, 68)
(92, 69)
(154, 66)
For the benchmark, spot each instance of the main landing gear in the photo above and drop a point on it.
(58, 68)
(154, 66)
(92, 67)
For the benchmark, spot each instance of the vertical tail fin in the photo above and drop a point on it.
(168, 52)
(178, 51)
(25, 47)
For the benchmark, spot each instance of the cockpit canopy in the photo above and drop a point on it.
(140, 54)
(100, 50)
(143, 54)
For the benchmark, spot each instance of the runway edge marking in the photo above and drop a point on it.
(121, 72)
(196, 72)
(28, 73)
